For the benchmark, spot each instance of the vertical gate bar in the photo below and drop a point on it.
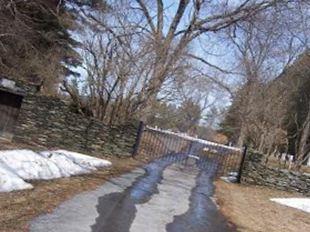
(177, 144)
(138, 139)
(233, 161)
(229, 160)
(225, 162)
(163, 145)
(158, 145)
(181, 142)
(155, 141)
(173, 143)
(153, 144)
(221, 161)
(169, 144)
(245, 148)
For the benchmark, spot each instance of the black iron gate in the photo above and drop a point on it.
(153, 143)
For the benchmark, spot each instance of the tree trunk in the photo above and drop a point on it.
(261, 143)
(302, 148)
(241, 138)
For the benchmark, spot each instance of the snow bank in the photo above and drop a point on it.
(298, 203)
(29, 165)
(84, 161)
(10, 181)
(19, 165)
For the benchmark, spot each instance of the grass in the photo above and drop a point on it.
(249, 208)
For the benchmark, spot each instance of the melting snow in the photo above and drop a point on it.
(298, 203)
(10, 181)
(16, 166)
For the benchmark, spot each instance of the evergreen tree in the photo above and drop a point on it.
(35, 40)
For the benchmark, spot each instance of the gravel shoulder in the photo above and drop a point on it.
(250, 209)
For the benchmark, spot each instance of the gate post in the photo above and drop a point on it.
(245, 148)
(138, 139)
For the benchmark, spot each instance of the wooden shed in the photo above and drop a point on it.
(11, 98)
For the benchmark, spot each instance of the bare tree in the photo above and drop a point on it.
(169, 37)
(264, 49)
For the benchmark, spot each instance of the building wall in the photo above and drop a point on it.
(48, 122)
(255, 172)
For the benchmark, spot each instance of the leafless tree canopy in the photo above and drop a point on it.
(270, 109)
(138, 52)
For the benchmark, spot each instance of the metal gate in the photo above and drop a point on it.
(153, 143)
(9, 109)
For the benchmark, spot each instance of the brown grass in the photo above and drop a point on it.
(250, 209)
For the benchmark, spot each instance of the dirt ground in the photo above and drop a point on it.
(18, 208)
(250, 209)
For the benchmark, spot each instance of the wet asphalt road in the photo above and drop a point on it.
(171, 194)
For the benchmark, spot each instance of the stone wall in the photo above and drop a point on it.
(49, 122)
(255, 172)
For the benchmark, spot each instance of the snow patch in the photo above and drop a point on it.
(298, 203)
(19, 165)
(10, 181)
(29, 165)
(84, 161)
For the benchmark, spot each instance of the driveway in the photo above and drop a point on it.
(171, 194)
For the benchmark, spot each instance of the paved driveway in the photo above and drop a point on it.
(171, 194)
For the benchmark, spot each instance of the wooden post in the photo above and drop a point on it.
(138, 139)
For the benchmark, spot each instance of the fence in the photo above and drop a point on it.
(154, 143)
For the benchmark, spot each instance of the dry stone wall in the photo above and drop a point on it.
(255, 172)
(49, 122)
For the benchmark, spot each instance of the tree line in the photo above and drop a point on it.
(274, 116)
